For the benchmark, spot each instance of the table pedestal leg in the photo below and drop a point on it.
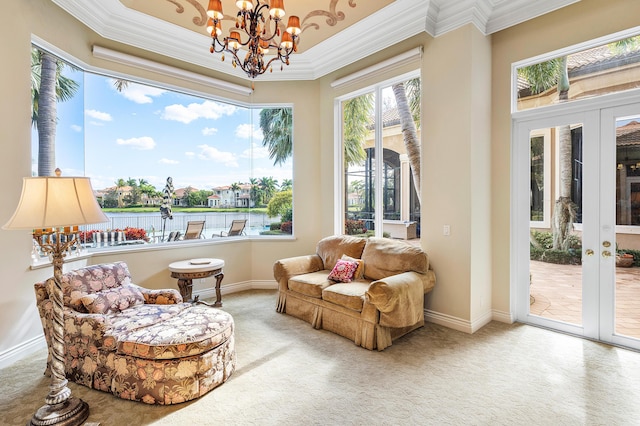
(218, 302)
(186, 287)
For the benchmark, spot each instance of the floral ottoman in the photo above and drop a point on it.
(139, 344)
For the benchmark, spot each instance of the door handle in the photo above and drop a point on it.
(606, 253)
(606, 244)
(588, 252)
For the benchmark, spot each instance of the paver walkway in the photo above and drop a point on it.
(556, 292)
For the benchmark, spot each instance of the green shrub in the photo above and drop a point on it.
(635, 253)
(354, 227)
(542, 249)
(286, 228)
(275, 226)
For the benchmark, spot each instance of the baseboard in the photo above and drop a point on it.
(463, 325)
(210, 293)
(448, 321)
(22, 350)
(502, 316)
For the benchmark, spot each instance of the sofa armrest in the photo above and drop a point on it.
(81, 327)
(284, 269)
(399, 298)
(165, 296)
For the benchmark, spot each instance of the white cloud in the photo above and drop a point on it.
(96, 123)
(168, 161)
(245, 131)
(256, 151)
(208, 131)
(207, 109)
(98, 115)
(210, 153)
(143, 143)
(76, 128)
(138, 93)
(190, 154)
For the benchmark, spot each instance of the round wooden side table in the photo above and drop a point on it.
(188, 270)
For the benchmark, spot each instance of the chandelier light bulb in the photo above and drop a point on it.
(244, 5)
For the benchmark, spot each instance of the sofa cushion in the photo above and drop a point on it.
(330, 249)
(384, 257)
(112, 300)
(310, 284)
(92, 279)
(343, 271)
(348, 295)
(195, 330)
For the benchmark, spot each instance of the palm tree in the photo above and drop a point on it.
(276, 125)
(541, 77)
(256, 192)
(268, 185)
(286, 184)
(356, 118)
(48, 87)
(120, 183)
(406, 111)
(235, 187)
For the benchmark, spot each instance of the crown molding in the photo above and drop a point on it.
(507, 13)
(114, 21)
(490, 16)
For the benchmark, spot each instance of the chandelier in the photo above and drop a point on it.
(251, 20)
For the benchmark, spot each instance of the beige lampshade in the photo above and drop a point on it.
(287, 41)
(215, 9)
(50, 202)
(276, 9)
(293, 26)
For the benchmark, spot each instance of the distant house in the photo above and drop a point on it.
(213, 201)
(228, 198)
(178, 199)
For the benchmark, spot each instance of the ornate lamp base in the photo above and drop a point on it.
(72, 412)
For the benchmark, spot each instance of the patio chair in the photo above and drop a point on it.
(237, 228)
(194, 230)
(173, 236)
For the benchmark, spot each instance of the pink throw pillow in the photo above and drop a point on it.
(343, 271)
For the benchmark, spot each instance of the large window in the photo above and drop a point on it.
(381, 160)
(159, 158)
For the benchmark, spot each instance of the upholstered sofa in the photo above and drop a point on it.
(139, 344)
(381, 302)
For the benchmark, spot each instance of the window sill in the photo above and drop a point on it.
(44, 262)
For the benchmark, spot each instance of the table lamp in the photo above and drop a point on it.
(53, 207)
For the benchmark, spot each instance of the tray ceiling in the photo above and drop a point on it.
(335, 32)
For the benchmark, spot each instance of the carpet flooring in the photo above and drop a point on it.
(291, 374)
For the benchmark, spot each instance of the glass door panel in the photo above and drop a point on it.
(627, 189)
(555, 228)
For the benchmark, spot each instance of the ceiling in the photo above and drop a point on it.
(176, 28)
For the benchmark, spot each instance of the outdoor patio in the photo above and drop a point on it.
(556, 292)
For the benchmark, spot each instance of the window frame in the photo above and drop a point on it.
(178, 74)
(339, 178)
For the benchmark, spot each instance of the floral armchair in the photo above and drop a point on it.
(139, 344)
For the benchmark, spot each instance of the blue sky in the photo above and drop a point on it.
(151, 133)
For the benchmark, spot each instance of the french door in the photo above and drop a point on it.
(584, 166)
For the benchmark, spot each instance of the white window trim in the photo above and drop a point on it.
(339, 183)
(546, 203)
(631, 32)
